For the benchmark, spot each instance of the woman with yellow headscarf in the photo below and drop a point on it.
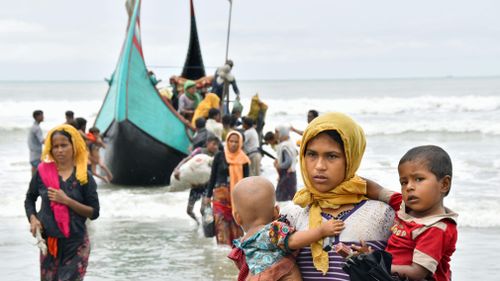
(330, 155)
(228, 168)
(210, 101)
(69, 196)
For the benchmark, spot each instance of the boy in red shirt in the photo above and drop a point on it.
(424, 233)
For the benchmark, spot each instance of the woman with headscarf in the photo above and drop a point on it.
(330, 154)
(228, 168)
(286, 159)
(69, 197)
(210, 101)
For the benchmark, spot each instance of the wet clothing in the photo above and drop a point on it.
(251, 148)
(226, 229)
(428, 241)
(71, 262)
(35, 141)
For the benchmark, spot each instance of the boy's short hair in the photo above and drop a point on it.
(213, 112)
(226, 119)
(438, 161)
(314, 113)
(70, 113)
(37, 113)
(247, 121)
(212, 138)
(269, 136)
(80, 123)
(94, 130)
(200, 123)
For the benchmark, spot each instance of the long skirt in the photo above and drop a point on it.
(287, 185)
(71, 261)
(226, 229)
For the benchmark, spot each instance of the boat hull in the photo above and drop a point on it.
(137, 159)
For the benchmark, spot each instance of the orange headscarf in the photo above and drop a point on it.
(235, 160)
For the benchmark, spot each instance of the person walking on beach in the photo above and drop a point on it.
(35, 140)
(228, 168)
(70, 117)
(196, 192)
(286, 153)
(69, 196)
(251, 146)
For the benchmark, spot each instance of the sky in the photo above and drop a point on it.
(270, 39)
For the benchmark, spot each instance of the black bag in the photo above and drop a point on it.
(373, 266)
(207, 222)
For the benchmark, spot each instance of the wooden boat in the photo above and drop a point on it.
(146, 138)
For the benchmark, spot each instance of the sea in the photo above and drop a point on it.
(144, 233)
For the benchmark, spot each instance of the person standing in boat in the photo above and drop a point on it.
(228, 168)
(35, 140)
(223, 78)
(189, 100)
(69, 197)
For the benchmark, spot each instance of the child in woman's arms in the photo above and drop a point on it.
(269, 241)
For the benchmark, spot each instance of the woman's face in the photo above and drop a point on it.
(325, 162)
(62, 149)
(233, 143)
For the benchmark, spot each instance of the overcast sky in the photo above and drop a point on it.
(270, 39)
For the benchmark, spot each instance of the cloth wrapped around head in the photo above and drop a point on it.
(350, 191)
(80, 153)
(236, 160)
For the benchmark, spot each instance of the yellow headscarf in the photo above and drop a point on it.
(350, 191)
(80, 154)
(210, 101)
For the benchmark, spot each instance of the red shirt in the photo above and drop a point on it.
(428, 241)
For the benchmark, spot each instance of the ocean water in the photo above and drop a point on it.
(144, 233)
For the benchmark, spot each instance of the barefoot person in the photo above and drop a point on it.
(69, 197)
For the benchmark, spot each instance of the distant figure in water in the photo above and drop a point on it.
(311, 115)
(35, 140)
(69, 197)
(286, 154)
(95, 143)
(269, 240)
(70, 117)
